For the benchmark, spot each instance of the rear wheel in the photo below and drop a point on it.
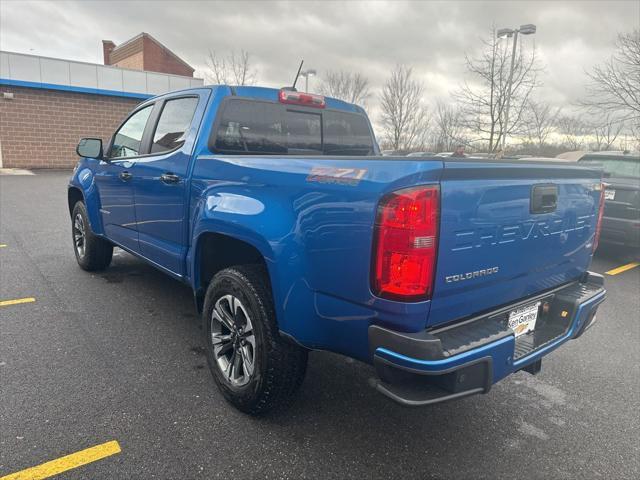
(92, 252)
(253, 366)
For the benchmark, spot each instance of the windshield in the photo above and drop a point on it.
(616, 167)
(249, 127)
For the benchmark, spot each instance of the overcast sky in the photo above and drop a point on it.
(369, 37)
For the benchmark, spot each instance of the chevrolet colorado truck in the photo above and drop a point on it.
(277, 209)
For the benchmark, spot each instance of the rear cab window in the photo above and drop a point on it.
(251, 127)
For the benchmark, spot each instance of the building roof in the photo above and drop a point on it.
(135, 45)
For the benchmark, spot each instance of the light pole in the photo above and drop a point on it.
(527, 29)
(306, 74)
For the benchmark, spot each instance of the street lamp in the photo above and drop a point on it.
(306, 74)
(527, 29)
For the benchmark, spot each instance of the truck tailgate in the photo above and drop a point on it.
(502, 240)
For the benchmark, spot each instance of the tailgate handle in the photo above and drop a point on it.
(544, 198)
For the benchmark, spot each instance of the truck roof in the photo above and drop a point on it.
(268, 94)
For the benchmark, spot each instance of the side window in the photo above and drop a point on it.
(126, 142)
(173, 124)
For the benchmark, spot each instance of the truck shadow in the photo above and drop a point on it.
(617, 253)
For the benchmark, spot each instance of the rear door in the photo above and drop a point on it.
(114, 180)
(510, 230)
(160, 179)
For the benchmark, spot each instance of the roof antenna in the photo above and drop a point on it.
(293, 87)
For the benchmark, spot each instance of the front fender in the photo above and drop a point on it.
(83, 180)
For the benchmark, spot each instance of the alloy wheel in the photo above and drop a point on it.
(233, 340)
(79, 235)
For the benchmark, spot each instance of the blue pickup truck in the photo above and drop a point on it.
(276, 207)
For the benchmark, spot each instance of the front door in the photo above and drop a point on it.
(114, 181)
(160, 180)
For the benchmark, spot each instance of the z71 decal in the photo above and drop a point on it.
(342, 176)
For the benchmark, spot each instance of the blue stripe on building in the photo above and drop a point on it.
(67, 88)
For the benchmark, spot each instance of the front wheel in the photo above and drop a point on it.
(92, 252)
(253, 366)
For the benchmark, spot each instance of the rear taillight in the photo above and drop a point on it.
(299, 98)
(596, 239)
(405, 244)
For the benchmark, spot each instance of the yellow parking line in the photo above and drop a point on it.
(62, 464)
(2, 245)
(623, 268)
(5, 303)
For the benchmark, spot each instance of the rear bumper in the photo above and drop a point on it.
(467, 358)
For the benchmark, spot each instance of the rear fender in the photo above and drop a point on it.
(236, 215)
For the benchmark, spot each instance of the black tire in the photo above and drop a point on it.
(278, 366)
(92, 252)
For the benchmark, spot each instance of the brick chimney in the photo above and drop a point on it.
(107, 48)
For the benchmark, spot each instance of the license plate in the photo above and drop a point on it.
(609, 194)
(523, 319)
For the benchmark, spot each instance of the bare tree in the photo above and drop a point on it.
(231, 69)
(449, 127)
(606, 133)
(540, 121)
(634, 142)
(484, 98)
(614, 86)
(574, 131)
(405, 120)
(347, 86)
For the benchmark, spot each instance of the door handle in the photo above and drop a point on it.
(125, 176)
(169, 178)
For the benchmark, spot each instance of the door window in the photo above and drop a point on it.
(127, 140)
(173, 124)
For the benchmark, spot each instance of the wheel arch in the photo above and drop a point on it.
(74, 195)
(86, 192)
(216, 251)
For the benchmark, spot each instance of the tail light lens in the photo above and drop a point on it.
(405, 244)
(596, 239)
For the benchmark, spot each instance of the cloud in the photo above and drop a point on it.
(369, 37)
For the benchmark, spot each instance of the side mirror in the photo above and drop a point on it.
(90, 148)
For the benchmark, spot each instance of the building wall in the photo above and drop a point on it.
(135, 62)
(158, 59)
(125, 50)
(144, 53)
(40, 128)
(35, 71)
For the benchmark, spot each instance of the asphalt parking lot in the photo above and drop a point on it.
(117, 357)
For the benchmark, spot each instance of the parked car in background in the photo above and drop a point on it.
(621, 218)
